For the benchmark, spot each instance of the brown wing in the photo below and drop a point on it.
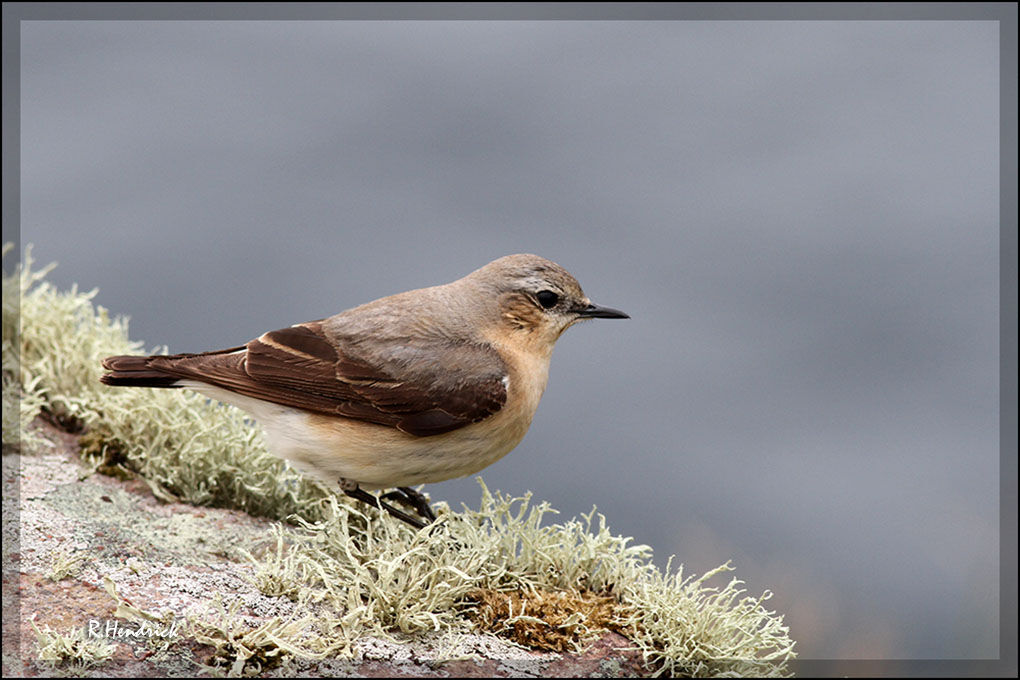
(300, 367)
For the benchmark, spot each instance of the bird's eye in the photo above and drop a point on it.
(547, 299)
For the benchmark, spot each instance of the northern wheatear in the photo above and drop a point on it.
(417, 387)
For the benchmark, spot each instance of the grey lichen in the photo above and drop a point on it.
(350, 574)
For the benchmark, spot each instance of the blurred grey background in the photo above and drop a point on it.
(800, 217)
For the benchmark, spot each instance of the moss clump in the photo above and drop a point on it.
(109, 454)
(548, 620)
(346, 571)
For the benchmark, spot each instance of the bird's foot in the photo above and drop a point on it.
(354, 491)
(413, 499)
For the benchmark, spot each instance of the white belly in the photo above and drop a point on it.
(376, 456)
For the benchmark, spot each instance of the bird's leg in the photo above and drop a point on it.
(420, 502)
(354, 491)
(414, 499)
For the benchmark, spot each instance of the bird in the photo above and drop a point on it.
(413, 388)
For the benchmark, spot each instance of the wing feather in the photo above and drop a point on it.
(301, 367)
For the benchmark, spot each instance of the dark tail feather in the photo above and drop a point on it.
(131, 371)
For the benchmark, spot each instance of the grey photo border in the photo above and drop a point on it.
(1003, 12)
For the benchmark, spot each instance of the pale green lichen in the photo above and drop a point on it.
(348, 572)
(187, 447)
(74, 651)
(23, 398)
(64, 563)
(246, 650)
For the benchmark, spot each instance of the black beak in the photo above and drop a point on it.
(596, 312)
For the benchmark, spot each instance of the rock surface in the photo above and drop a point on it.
(66, 530)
